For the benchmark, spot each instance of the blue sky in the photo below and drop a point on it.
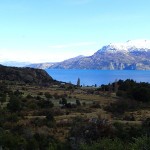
(54, 30)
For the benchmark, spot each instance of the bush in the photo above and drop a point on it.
(141, 143)
(32, 105)
(133, 90)
(56, 96)
(37, 122)
(64, 101)
(127, 132)
(95, 105)
(90, 131)
(45, 104)
(120, 106)
(129, 118)
(2, 98)
(29, 96)
(12, 142)
(40, 93)
(105, 144)
(78, 102)
(48, 95)
(146, 126)
(13, 117)
(121, 93)
(38, 97)
(141, 94)
(14, 104)
(50, 116)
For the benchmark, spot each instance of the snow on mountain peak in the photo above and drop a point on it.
(145, 44)
(130, 45)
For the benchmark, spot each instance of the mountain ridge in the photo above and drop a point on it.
(131, 55)
(26, 75)
(48, 65)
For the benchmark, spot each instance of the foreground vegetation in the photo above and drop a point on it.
(64, 116)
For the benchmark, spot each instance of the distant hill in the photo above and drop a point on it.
(65, 64)
(14, 63)
(41, 65)
(131, 55)
(25, 75)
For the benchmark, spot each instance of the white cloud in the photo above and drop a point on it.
(35, 56)
(72, 45)
(53, 53)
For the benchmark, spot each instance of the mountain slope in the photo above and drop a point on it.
(131, 55)
(68, 64)
(65, 64)
(25, 75)
(41, 65)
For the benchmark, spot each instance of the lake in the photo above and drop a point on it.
(92, 77)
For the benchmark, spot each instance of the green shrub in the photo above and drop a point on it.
(105, 144)
(141, 94)
(141, 143)
(14, 104)
(48, 95)
(120, 106)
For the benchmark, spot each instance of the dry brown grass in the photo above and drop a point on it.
(82, 111)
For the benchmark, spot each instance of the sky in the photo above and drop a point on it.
(54, 30)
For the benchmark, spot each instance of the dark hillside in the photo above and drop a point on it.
(26, 75)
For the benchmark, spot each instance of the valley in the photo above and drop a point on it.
(65, 116)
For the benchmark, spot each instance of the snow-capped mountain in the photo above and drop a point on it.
(129, 46)
(131, 55)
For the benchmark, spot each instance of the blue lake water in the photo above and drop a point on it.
(92, 77)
